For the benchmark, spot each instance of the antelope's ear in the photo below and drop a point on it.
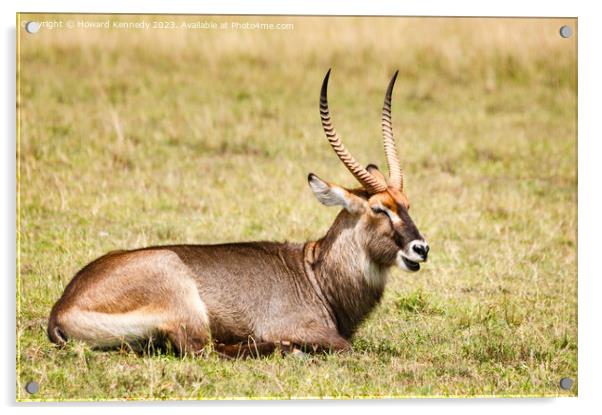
(332, 195)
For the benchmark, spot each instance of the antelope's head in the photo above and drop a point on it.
(379, 209)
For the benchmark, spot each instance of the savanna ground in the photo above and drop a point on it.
(135, 138)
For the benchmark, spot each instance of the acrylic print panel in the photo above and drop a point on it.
(183, 132)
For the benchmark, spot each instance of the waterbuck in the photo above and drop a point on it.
(255, 297)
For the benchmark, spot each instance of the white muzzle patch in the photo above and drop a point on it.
(409, 259)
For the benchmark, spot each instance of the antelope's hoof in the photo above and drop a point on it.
(299, 354)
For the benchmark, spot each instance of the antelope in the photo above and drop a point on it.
(254, 298)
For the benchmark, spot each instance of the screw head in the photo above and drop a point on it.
(32, 27)
(566, 383)
(566, 31)
(32, 387)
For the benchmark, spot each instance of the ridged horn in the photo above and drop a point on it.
(395, 173)
(370, 183)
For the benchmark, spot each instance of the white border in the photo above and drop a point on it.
(590, 206)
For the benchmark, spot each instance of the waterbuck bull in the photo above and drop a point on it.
(253, 298)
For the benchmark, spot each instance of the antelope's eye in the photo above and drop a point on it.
(377, 210)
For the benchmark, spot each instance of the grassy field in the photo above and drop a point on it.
(135, 138)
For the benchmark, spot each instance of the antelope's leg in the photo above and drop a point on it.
(188, 326)
(246, 350)
(319, 339)
(189, 337)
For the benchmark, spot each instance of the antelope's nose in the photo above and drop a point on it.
(422, 249)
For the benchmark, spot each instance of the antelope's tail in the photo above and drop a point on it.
(55, 333)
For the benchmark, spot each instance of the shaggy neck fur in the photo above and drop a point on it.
(351, 281)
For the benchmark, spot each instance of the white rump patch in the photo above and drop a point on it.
(113, 329)
(109, 330)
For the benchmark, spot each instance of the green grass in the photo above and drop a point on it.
(130, 139)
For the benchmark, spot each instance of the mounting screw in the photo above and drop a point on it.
(32, 27)
(32, 387)
(566, 383)
(566, 31)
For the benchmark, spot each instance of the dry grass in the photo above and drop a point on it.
(136, 138)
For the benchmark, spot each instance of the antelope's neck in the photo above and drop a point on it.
(349, 280)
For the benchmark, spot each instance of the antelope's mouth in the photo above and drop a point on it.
(410, 265)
